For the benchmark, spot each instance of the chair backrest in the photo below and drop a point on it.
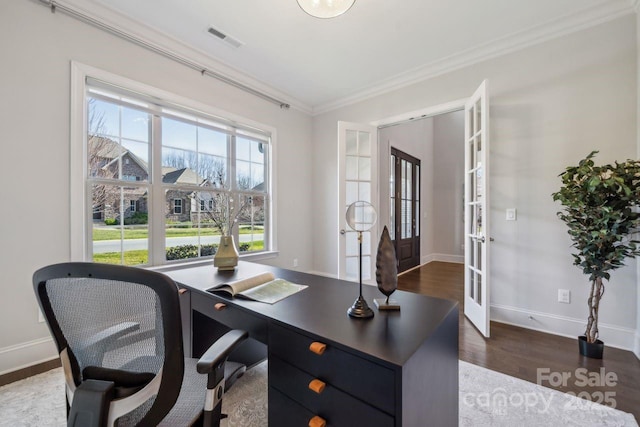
(119, 324)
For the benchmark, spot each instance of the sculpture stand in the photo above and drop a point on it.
(360, 309)
(386, 304)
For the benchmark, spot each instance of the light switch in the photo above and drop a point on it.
(511, 214)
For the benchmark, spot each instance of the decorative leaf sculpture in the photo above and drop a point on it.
(386, 265)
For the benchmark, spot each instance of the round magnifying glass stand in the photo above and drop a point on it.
(361, 216)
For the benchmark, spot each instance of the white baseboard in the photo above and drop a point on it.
(636, 347)
(322, 273)
(613, 336)
(27, 354)
(458, 259)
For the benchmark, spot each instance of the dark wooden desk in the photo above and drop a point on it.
(397, 369)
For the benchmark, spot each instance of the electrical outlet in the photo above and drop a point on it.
(295, 262)
(564, 296)
(511, 214)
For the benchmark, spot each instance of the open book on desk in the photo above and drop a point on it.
(263, 287)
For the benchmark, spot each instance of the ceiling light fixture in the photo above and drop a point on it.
(325, 8)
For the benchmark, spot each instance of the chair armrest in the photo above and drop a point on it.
(220, 350)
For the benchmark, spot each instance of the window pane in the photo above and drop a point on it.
(212, 142)
(120, 146)
(212, 170)
(250, 170)
(178, 134)
(251, 222)
(179, 167)
(135, 124)
(243, 149)
(103, 117)
(243, 175)
(120, 233)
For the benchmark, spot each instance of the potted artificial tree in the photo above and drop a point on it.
(600, 208)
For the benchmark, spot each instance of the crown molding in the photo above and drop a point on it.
(155, 37)
(550, 30)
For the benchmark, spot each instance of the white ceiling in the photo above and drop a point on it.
(376, 44)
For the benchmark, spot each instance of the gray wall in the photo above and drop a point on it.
(551, 104)
(37, 47)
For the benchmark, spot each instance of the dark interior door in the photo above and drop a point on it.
(405, 208)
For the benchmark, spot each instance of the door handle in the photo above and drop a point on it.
(343, 232)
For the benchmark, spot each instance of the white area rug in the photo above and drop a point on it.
(487, 398)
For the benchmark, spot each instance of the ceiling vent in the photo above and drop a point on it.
(224, 37)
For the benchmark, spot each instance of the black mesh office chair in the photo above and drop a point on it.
(119, 335)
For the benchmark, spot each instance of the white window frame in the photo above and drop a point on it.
(80, 211)
(177, 206)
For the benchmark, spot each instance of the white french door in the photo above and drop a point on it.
(476, 204)
(357, 171)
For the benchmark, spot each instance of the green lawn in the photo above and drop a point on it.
(130, 257)
(143, 233)
(142, 256)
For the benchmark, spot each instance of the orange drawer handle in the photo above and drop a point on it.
(317, 422)
(317, 347)
(220, 306)
(182, 291)
(317, 386)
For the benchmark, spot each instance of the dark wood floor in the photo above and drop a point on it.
(521, 352)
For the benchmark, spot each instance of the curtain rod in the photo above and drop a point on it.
(54, 5)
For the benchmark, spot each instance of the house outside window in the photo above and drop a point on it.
(203, 159)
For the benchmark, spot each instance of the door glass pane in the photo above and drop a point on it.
(366, 268)
(392, 230)
(366, 243)
(417, 214)
(478, 185)
(403, 177)
(479, 291)
(364, 168)
(364, 144)
(472, 153)
(351, 192)
(351, 168)
(352, 243)
(351, 143)
(364, 191)
(351, 267)
(470, 278)
(478, 219)
(477, 108)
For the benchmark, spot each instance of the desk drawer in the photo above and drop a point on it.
(232, 316)
(365, 380)
(284, 412)
(336, 406)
